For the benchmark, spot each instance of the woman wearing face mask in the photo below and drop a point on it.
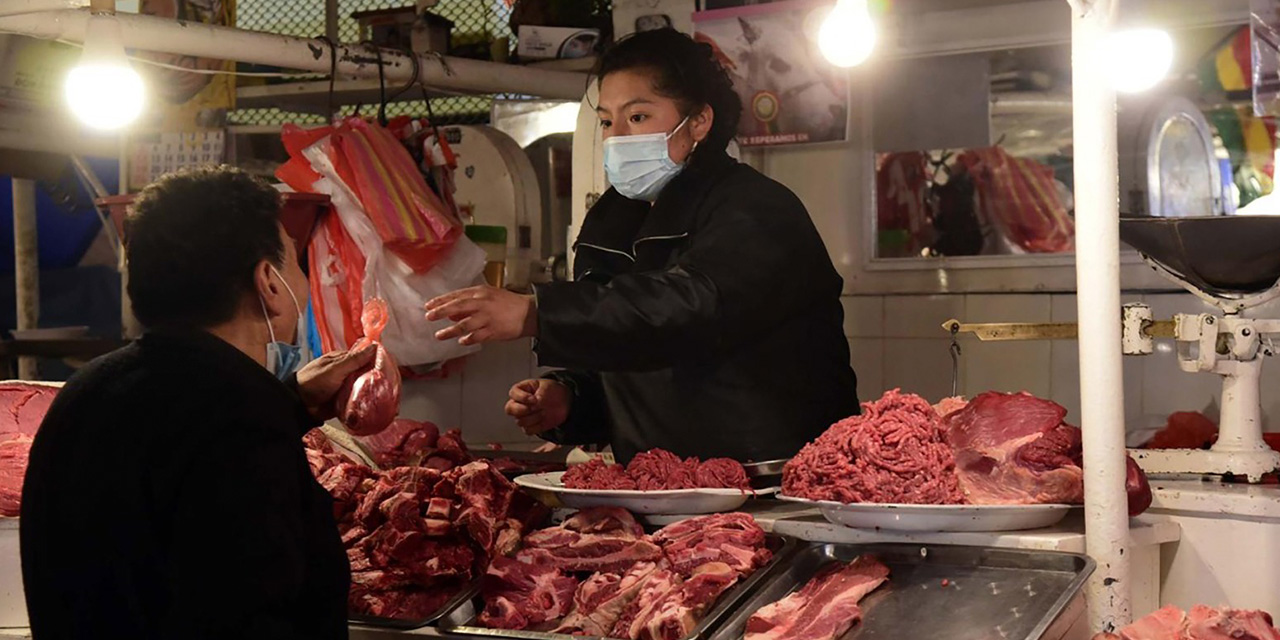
(168, 494)
(705, 314)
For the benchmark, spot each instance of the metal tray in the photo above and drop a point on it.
(991, 593)
(467, 592)
(462, 619)
(766, 473)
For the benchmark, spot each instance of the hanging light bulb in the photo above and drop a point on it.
(103, 89)
(847, 36)
(1137, 59)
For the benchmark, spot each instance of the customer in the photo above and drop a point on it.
(168, 494)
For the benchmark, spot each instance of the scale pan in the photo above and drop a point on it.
(1218, 255)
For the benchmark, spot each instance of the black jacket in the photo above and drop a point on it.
(707, 325)
(168, 496)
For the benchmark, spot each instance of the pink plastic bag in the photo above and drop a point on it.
(370, 400)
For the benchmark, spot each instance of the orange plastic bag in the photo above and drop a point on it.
(370, 400)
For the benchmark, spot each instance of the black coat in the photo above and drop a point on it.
(168, 496)
(708, 325)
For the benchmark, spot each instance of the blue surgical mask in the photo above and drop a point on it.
(639, 166)
(283, 359)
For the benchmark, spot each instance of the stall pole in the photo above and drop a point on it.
(1097, 195)
(152, 33)
(26, 259)
(130, 328)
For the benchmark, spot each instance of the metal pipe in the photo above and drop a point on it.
(26, 263)
(331, 20)
(21, 7)
(54, 140)
(1097, 195)
(151, 33)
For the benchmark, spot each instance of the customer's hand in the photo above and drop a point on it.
(484, 314)
(320, 380)
(539, 405)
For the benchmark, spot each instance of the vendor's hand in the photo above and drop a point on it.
(484, 314)
(539, 405)
(320, 380)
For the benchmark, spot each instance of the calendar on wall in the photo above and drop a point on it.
(163, 153)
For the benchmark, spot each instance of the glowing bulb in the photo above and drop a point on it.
(847, 36)
(1137, 59)
(103, 89)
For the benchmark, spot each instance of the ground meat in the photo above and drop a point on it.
(895, 452)
(658, 470)
(723, 473)
(598, 474)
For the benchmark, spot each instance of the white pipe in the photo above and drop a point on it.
(151, 33)
(26, 264)
(21, 7)
(1097, 195)
(54, 140)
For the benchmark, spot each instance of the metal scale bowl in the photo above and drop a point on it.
(1232, 263)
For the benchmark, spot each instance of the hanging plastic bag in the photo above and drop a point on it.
(370, 400)
(351, 263)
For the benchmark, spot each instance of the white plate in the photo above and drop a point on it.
(681, 502)
(939, 517)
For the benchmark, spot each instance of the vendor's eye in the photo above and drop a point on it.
(638, 118)
(605, 124)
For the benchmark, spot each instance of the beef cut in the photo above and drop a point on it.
(520, 595)
(658, 470)
(657, 587)
(1200, 623)
(602, 599)
(404, 442)
(676, 614)
(370, 400)
(603, 539)
(824, 608)
(733, 539)
(896, 451)
(24, 407)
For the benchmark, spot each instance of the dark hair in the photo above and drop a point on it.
(684, 70)
(193, 239)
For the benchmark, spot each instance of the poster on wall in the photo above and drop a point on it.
(790, 93)
(189, 98)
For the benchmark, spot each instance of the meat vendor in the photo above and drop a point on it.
(168, 494)
(704, 317)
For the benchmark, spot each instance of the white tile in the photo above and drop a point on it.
(1164, 305)
(1007, 366)
(920, 366)
(863, 316)
(1065, 383)
(867, 357)
(1167, 388)
(1008, 308)
(1062, 307)
(486, 380)
(920, 316)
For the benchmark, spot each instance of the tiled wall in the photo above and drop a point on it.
(898, 342)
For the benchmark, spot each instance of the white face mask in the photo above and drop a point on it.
(639, 166)
(284, 359)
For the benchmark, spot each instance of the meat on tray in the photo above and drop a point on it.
(824, 608)
(895, 452)
(1200, 623)
(24, 408)
(416, 536)
(655, 587)
(658, 470)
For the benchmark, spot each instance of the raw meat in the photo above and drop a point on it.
(1185, 430)
(1136, 487)
(604, 539)
(370, 400)
(1200, 623)
(895, 452)
(600, 475)
(602, 598)
(733, 539)
(825, 608)
(25, 406)
(675, 615)
(520, 595)
(658, 470)
(405, 442)
(657, 587)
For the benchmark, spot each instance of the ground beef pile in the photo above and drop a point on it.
(895, 452)
(658, 470)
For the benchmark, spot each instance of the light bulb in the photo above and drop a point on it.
(1137, 59)
(847, 35)
(103, 89)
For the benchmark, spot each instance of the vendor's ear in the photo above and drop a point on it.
(700, 123)
(270, 288)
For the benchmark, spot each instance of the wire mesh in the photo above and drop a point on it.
(477, 25)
